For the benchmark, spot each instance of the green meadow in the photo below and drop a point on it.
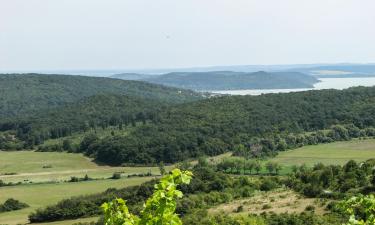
(337, 153)
(41, 195)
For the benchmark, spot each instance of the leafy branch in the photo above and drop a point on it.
(159, 209)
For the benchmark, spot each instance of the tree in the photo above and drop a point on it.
(278, 167)
(162, 168)
(270, 167)
(159, 208)
(67, 145)
(250, 165)
(258, 166)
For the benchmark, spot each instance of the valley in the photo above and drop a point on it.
(277, 156)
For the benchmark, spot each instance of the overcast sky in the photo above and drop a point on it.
(131, 34)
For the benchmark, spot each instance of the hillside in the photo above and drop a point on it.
(26, 93)
(95, 111)
(227, 80)
(218, 125)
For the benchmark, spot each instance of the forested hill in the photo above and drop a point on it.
(217, 125)
(101, 110)
(227, 80)
(21, 94)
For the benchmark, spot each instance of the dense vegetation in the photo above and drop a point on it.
(260, 125)
(254, 126)
(209, 188)
(87, 114)
(21, 94)
(11, 205)
(227, 80)
(334, 181)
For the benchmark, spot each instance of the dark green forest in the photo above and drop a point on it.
(261, 125)
(22, 94)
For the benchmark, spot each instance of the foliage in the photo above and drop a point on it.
(333, 181)
(11, 205)
(263, 125)
(208, 188)
(159, 208)
(22, 94)
(361, 210)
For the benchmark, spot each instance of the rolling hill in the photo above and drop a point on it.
(227, 80)
(22, 94)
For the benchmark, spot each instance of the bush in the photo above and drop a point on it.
(310, 208)
(74, 179)
(268, 185)
(11, 205)
(266, 206)
(116, 176)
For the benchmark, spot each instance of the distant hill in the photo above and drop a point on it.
(228, 80)
(27, 93)
(132, 76)
(339, 70)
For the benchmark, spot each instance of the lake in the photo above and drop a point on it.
(325, 83)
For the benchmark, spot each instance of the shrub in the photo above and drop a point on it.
(310, 208)
(266, 206)
(116, 176)
(11, 205)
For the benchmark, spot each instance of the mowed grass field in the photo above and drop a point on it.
(28, 166)
(41, 195)
(34, 167)
(337, 153)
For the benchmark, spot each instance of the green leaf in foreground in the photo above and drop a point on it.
(159, 208)
(361, 210)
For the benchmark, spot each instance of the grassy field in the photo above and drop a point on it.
(28, 166)
(41, 195)
(333, 153)
(70, 222)
(279, 201)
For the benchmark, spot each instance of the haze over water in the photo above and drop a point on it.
(325, 83)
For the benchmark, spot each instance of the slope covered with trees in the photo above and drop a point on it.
(227, 80)
(21, 94)
(87, 114)
(255, 123)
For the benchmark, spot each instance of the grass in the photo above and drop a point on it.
(337, 153)
(70, 222)
(28, 166)
(279, 201)
(41, 195)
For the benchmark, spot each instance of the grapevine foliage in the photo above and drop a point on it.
(361, 210)
(159, 209)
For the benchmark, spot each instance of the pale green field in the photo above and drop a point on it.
(333, 153)
(29, 167)
(70, 222)
(337, 153)
(41, 195)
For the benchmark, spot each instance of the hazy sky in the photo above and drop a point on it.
(129, 34)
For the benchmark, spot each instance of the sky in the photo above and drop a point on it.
(141, 34)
